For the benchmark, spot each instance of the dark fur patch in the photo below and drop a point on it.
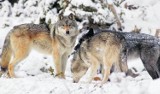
(3, 69)
(86, 36)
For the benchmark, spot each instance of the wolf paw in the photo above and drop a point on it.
(4, 74)
(60, 75)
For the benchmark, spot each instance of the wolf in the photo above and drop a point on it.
(103, 48)
(145, 46)
(139, 45)
(58, 42)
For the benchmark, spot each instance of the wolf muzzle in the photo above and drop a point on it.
(67, 32)
(74, 81)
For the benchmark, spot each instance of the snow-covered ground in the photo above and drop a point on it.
(34, 77)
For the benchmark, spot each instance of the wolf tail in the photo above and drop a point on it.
(6, 53)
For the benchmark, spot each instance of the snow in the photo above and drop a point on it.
(33, 74)
(145, 17)
(47, 84)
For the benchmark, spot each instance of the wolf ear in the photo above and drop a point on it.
(71, 16)
(60, 16)
(52, 31)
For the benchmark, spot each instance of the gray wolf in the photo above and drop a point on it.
(58, 42)
(145, 46)
(103, 48)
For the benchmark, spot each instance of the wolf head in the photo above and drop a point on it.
(67, 26)
(78, 68)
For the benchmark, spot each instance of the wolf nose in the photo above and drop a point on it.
(74, 81)
(67, 32)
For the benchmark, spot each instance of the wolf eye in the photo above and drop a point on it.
(62, 26)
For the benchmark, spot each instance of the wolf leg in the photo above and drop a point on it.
(18, 56)
(20, 47)
(58, 64)
(149, 57)
(64, 62)
(93, 72)
(94, 67)
(107, 64)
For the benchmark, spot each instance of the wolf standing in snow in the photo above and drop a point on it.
(103, 48)
(58, 43)
(145, 46)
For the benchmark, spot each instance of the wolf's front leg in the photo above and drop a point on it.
(123, 62)
(64, 62)
(57, 63)
(94, 66)
(93, 72)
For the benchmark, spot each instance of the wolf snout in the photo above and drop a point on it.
(74, 81)
(67, 32)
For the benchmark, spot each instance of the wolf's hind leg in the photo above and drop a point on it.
(106, 67)
(19, 56)
(21, 48)
(150, 60)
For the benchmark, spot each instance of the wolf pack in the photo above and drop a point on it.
(105, 50)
